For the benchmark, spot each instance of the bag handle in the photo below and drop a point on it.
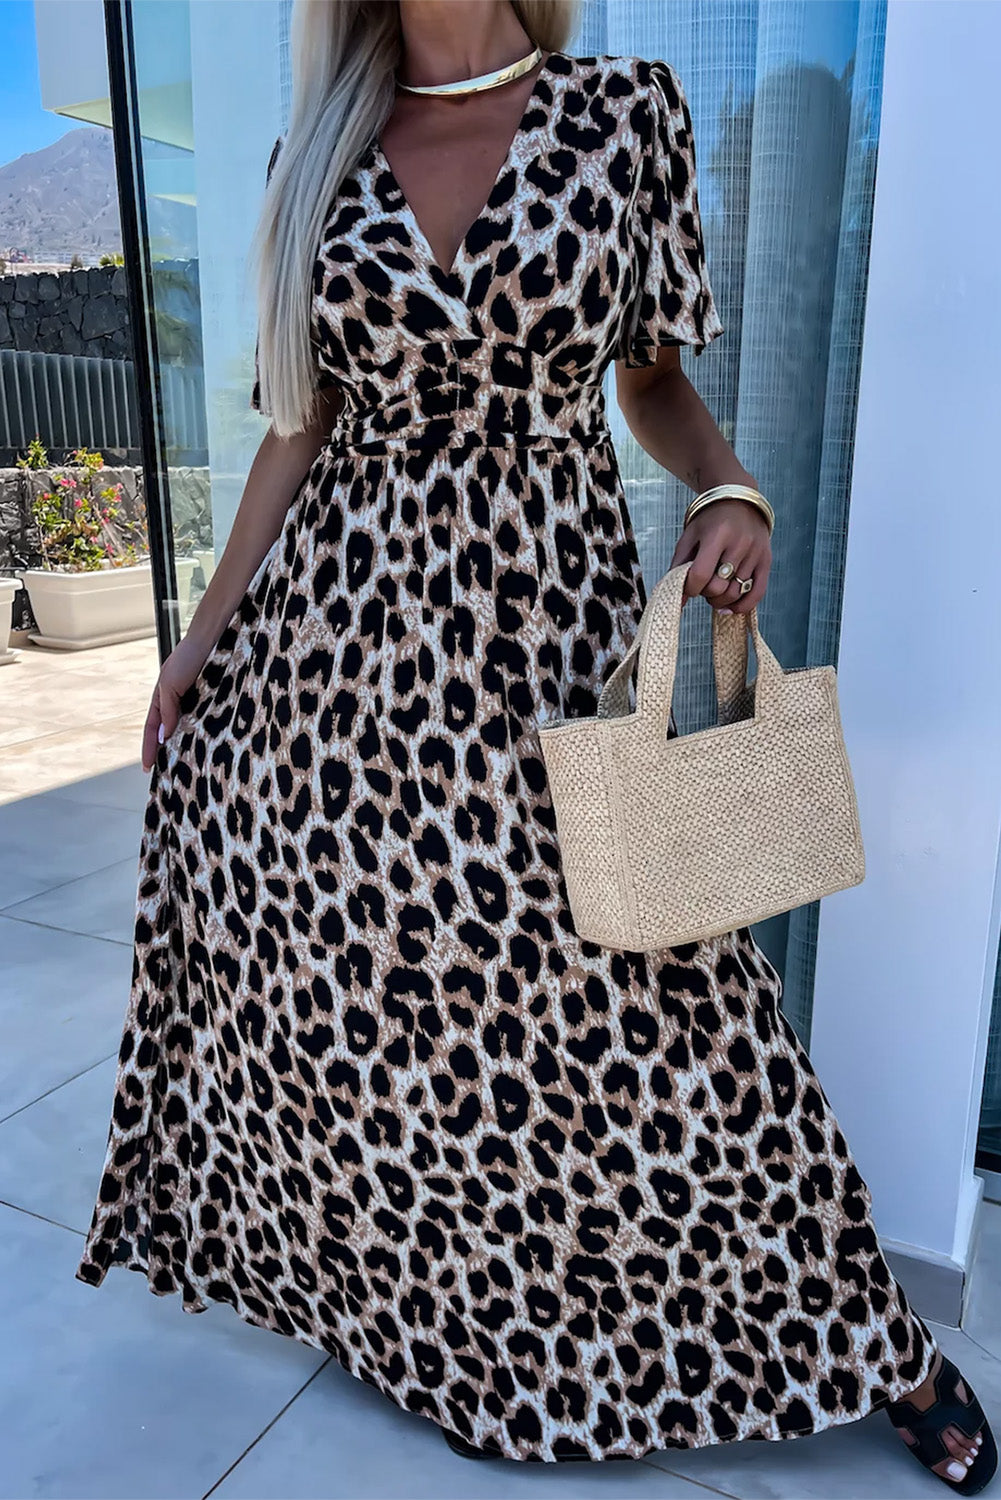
(656, 645)
(730, 659)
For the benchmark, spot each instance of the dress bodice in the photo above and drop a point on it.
(587, 248)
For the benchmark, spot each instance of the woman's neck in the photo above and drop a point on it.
(450, 39)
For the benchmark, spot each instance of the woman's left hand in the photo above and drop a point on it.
(731, 531)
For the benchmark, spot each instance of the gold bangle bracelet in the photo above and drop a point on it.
(734, 492)
(731, 492)
(731, 487)
(768, 514)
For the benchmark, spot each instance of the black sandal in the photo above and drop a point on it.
(459, 1445)
(926, 1427)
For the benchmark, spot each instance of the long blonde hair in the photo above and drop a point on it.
(344, 57)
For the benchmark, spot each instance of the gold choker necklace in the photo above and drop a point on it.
(483, 81)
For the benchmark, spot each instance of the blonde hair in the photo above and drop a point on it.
(344, 57)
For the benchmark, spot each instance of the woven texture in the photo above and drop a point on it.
(669, 841)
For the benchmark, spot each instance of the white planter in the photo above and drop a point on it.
(206, 557)
(76, 611)
(185, 569)
(187, 566)
(8, 588)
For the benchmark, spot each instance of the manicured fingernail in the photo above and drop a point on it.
(956, 1470)
(726, 611)
(159, 734)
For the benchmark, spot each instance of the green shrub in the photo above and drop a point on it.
(82, 531)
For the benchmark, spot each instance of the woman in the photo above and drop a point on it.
(373, 1091)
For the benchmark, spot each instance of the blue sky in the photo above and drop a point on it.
(24, 124)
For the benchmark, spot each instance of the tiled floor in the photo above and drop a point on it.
(70, 715)
(117, 1393)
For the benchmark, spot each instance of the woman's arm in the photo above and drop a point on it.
(279, 467)
(276, 474)
(669, 419)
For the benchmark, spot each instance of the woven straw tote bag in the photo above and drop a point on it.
(669, 841)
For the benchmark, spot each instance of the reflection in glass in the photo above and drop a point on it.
(785, 101)
(208, 85)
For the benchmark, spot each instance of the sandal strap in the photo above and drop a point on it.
(947, 1411)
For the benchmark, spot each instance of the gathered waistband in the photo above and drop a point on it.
(470, 393)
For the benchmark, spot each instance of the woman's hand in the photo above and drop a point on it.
(731, 531)
(177, 674)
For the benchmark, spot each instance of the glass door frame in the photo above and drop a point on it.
(139, 280)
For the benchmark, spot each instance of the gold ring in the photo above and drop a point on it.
(746, 584)
(724, 570)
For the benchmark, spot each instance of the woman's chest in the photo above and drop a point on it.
(545, 265)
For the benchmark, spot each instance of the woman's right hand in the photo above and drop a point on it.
(176, 675)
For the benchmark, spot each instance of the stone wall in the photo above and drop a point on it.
(67, 312)
(20, 547)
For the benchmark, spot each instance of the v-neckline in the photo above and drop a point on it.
(415, 225)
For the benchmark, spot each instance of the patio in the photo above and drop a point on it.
(114, 1392)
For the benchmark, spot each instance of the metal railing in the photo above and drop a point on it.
(69, 400)
(74, 401)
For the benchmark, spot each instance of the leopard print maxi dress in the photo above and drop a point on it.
(373, 1091)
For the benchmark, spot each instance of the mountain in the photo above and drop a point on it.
(63, 200)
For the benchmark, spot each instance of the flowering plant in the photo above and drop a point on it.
(36, 456)
(82, 528)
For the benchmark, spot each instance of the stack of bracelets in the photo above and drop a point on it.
(732, 492)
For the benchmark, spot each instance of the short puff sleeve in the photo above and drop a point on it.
(672, 300)
(255, 394)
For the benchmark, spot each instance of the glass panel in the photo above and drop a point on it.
(784, 97)
(989, 1143)
(209, 86)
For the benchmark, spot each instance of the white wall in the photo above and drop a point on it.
(73, 64)
(72, 55)
(906, 960)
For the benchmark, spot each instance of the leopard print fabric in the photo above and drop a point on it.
(373, 1091)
